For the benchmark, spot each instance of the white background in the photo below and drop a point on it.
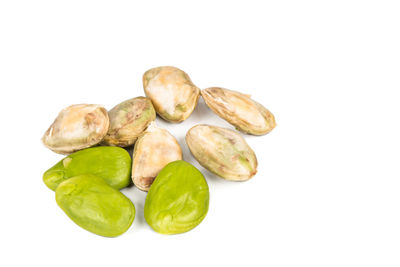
(327, 192)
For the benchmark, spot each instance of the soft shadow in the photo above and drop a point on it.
(204, 115)
(138, 198)
(130, 149)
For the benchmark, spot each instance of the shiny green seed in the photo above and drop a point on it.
(95, 206)
(113, 164)
(177, 200)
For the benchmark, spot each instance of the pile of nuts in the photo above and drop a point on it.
(88, 180)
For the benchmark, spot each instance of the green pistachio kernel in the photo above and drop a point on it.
(95, 206)
(177, 200)
(113, 164)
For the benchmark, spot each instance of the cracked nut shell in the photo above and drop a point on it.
(128, 120)
(154, 149)
(77, 127)
(173, 94)
(222, 151)
(239, 110)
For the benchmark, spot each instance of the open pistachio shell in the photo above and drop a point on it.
(77, 127)
(154, 149)
(173, 94)
(222, 151)
(128, 120)
(239, 110)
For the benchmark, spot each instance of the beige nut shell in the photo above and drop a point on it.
(239, 110)
(77, 127)
(173, 94)
(154, 149)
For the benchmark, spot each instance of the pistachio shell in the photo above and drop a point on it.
(154, 149)
(95, 206)
(239, 110)
(173, 94)
(178, 199)
(128, 120)
(113, 164)
(222, 151)
(77, 127)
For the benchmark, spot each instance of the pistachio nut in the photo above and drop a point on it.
(77, 127)
(113, 164)
(154, 149)
(128, 120)
(173, 94)
(239, 110)
(95, 206)
(178, 199)
(222, 151)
